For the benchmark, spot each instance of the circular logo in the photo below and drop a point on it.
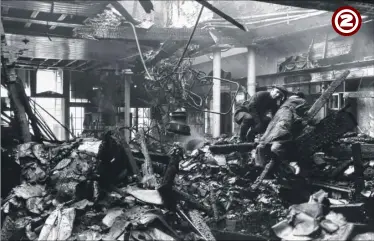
(346, 21)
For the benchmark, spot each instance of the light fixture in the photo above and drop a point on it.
(178, 123)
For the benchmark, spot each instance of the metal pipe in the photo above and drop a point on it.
(251, 71)
(216, 127)
(265, 15)
(226, 149)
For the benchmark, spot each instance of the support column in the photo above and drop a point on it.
(251, 71)
(216, 118)
(127, 110)
(66, 75)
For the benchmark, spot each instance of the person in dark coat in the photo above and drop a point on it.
(252, 114)
(286, 125)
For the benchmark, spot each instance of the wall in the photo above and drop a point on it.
(365, 109)
(237, 64)
(339, 50)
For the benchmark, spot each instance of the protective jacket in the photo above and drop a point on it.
(287, 123)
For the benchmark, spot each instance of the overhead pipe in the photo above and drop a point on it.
(265, 15)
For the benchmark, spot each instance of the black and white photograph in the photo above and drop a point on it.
(178, 120)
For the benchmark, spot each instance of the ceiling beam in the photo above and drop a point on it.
(72, 49)
(73, 8)
(55, 64)
(42, 22)
(4, 10)
(155, 33)
(45, 61)
(95, 66)
(363, 6)
(83, 64)
(61, 18)
(71, 63)
(66, 34)
(33, 15)
(118, 6)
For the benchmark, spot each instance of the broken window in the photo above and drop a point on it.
(49, 82)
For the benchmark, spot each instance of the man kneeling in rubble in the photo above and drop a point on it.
(252, 114)
(277, 141)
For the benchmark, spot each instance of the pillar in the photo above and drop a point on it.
(216, 118)
(127, 108)
(66, 78)
(251, 71)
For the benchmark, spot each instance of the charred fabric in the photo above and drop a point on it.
(105, 188)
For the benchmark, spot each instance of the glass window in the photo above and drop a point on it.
(4, 91)
(49, 80)
(54, 107)
(76, 120)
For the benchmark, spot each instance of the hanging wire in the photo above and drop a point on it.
(139, 49)
(189, 40)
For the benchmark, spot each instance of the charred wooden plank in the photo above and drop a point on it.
(225, 235)
(155, 157)
(157, 167)
(359, 94)
(337, 171)
(262, 176)
(345, 152)
(328, 130)
(349, 191)
(212, 198)
(16, 100)
(171, 172)
(200, 225)
(359, 167)
(226, 149)
(149, 178)
(347, 206)
(192, 201)
(322, 100)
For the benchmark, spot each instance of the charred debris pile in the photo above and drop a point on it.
(108, 189)
(93, 189)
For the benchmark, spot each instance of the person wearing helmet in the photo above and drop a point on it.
(287, 124)
(252, 114)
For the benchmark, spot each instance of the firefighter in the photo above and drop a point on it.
(252, 114)
(277, 141)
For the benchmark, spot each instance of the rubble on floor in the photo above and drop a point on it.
(94, 189)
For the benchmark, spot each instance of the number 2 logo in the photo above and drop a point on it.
(347, 20)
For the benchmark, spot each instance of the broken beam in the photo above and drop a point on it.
(59, 7)
(349, 191)
(155, 157)
(42, 22)
(345, 152)
(358, 166)
(359, 94)
(148, 174)
(221, 14)
(328, 130)
(226, 149)
(322, 100)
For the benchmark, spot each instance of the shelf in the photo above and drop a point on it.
(353, 64)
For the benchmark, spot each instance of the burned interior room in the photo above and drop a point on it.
(187, 120)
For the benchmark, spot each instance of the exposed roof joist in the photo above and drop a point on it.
(73, 49)
(59, 7)
(42, 22)
(365, 7)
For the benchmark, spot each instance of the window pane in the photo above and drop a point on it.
(4, 92)
(48, 104)
(46, 80)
